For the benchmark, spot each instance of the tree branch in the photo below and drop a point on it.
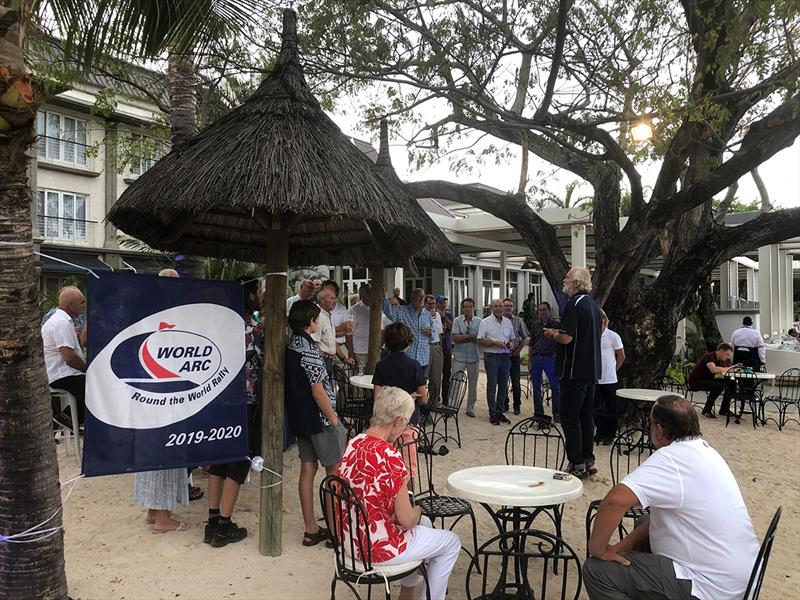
(765, 138)
(538, 234)
(558, 56)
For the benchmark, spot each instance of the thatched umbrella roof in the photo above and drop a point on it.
(437, 251)
(276, 154)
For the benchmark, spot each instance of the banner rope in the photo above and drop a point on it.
(257, 465)
(66, 262)
(35, 533)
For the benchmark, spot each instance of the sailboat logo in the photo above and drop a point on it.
(166, 360)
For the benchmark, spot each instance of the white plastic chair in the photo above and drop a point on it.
(67, 399)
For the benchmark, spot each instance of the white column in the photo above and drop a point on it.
(728, 284)
(785, 260)
(767, 293)
(503, 274)
(752, 288)
(789, 291)
(578, 238)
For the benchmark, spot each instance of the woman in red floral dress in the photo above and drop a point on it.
(398, 531)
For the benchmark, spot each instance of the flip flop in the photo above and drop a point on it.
(195, 493)
(182, 526)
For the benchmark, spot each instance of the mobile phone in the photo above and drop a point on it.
(562, 476)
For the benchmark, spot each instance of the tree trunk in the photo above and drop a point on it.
(708, 320)
(29, 488)
(183, 125)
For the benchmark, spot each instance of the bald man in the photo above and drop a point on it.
(63, 356)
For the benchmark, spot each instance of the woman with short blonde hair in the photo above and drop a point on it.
(375, 470)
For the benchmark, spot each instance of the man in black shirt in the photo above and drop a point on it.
(578, 366)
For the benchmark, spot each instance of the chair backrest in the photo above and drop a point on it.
(417, 455)
(433, 394)
(345, 391)
(760, 565)
(747, 383)
(536, 442)
(457, 390)
(346, 519)
(686, 367)
(670, 384)
(789, 385)
(537, 553)
(630, 449)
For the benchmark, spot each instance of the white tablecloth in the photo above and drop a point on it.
(643, 395)
(510, 485)
(362, 381)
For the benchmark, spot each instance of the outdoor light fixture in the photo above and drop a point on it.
(641, 132)
(529, 264)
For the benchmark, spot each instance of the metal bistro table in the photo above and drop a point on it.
(513, 487)
(749, 387)
(644, 399)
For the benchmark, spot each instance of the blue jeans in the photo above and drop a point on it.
(548, 365)
(498, 368)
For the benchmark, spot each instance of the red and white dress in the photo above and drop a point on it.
(376, 472)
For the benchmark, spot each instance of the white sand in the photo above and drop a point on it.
(111, 553)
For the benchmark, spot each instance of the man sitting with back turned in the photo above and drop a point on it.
(698, 542)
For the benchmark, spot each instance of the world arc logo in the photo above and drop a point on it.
(167, 366)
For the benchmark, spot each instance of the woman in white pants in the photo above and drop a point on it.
(399, 533)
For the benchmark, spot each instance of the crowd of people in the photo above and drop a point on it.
(683, 484)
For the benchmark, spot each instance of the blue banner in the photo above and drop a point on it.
(165, 385)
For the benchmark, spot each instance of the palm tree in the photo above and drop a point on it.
(29, 488)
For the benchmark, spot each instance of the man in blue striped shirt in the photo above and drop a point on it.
(418, 320)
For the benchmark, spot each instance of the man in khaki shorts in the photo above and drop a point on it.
(311, 409)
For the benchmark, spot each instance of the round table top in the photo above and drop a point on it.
(756, 374)
(510, 485)
(643, 395)
(362, 381)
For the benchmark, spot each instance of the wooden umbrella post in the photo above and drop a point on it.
(376, 310)
(272, 399)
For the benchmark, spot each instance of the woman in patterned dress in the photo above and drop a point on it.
(398, 531)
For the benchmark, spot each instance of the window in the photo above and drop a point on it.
(353, 278)
(535, 286)
(61, 215)
(150, 152)
(61, 138)
(423, 280)
(458, 288)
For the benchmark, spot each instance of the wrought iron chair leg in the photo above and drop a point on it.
(458, 435)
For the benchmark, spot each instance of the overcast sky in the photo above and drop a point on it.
(781, 174)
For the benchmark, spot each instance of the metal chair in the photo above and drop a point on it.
(762, 558)
(66, 399)
(788, 395)
(748, 395)
(345, 515)
(630, 449)
(525, 564)
(687, 367)
(536, 442)
(670, 384)
(440, 414)
(434, 506)
(353, 405)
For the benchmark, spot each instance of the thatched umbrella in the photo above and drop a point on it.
(273, 181)
(437, 252)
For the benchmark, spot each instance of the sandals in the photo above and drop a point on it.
(312, 539)
(182, 526)
(195, 493)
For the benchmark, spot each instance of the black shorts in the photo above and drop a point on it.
(236, 471)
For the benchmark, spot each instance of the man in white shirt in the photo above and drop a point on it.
(612, 355)
(496, 338)
(358, 341)
(748, 345)
(325, 336)
(701, 541)
(339, 319)
(305, 291)
(436, 355)
(63, 355)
